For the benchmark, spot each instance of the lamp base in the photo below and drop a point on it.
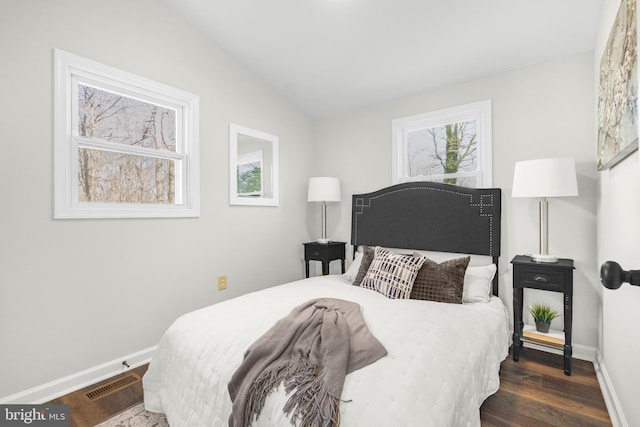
(321, 240)
(544, 258)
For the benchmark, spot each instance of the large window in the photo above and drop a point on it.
(125, 146)
(451, 146)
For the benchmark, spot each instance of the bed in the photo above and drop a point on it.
(443, 359)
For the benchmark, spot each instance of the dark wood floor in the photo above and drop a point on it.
(533, 392)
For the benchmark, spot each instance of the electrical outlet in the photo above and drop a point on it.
(222, 282)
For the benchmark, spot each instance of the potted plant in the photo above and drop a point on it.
(543, 315)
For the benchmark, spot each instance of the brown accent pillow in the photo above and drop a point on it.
(367, 256)
(442, 282)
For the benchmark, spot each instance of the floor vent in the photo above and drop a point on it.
(113, 386)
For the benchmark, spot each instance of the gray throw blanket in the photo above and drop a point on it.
(311, 350)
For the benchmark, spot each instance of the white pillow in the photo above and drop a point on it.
(478, 283)
(352, 271)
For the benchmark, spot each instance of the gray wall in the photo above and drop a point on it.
(77, 293)
(619, 240)
(540, 111)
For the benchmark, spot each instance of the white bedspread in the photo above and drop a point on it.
(443, 359)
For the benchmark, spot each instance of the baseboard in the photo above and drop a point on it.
(56, 388)
(608, 392)
(582, 352)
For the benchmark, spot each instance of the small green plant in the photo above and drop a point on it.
(543, 313)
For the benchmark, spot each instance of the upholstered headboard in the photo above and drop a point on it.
(430, 216)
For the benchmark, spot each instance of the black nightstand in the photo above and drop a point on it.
(557, 277)
(325, 252)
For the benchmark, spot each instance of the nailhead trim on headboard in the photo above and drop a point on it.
(411, 204)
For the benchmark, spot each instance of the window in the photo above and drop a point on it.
(125, 146)
(451, 146)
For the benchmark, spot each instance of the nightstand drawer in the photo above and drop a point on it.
(544, 279)
(324, 251)
(314, 252)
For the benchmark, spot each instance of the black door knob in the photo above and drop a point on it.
(613, 276)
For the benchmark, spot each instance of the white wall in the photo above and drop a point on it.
(619, 240)
(540, 111)
(77, 293)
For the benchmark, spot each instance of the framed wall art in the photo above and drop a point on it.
(618, 90)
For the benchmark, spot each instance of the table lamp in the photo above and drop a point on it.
(545, 178)
(324, 189)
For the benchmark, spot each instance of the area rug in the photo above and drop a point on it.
(136, 416)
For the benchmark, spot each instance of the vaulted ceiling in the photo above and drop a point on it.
(331, 56)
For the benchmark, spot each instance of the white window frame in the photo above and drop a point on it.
(478, 111)
(72, 69)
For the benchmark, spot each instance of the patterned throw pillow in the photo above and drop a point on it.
(392, 274)
(442, 282)
(367, 257)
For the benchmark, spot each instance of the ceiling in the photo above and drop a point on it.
(332, 56)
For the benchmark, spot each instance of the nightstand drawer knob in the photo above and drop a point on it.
(540, 278)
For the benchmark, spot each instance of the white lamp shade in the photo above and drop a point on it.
(545, 178)
(324, 189)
